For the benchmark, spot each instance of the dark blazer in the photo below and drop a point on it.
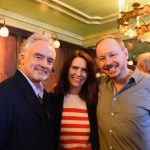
(24, 124)
(55, 106)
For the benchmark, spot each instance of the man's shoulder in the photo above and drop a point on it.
(7, 83)
(145, 78)
(11, 80)
(7, 88)
(10, 84)
(142, 79)
(104, 82)
(104, 78)
(141, 75)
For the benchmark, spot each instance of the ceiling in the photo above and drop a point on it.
(81, 22)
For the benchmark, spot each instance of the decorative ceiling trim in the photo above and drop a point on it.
(25, 23)
(77, 14)
(22, 22)
(92, 39)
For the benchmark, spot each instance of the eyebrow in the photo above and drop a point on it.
(78, 67)
(39, 54)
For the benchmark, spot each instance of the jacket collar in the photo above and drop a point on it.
(29, 94)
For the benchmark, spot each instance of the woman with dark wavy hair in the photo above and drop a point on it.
(74, 105)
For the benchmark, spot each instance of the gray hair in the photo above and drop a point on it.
(35, 37)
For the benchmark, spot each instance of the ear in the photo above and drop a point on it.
(126, 53)
(21, 58)
(144, 69)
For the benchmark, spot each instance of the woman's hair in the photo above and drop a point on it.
(88, 91)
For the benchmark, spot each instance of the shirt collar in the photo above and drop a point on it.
(137, 75)
(39, 91)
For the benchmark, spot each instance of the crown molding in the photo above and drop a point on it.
(91, 39)
(77, 14)
(28, 24)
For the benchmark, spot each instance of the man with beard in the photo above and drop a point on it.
(24, 123)
(123, 109)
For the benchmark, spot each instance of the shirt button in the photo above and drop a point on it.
(110, 147)
(110, 131)
(112, 114)
(114, 98)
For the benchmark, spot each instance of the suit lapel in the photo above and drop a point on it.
(29, 94)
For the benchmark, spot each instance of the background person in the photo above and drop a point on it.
(24, 124)
(143, 62)
(74, 104)
(124, 99)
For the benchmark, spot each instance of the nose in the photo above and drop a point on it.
(107, 61)
(78, 72)
(44, 62)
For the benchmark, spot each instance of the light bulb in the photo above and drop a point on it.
(56, 44)
(130, 62)
(4, 32)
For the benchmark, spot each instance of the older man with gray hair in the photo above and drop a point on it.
(24, 123)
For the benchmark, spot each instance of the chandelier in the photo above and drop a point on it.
(138, 28)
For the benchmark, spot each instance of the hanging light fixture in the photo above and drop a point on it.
(56, 42)
(4, 30)
(139, 29)
(53, 39)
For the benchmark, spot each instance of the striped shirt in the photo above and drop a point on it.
(75, 127)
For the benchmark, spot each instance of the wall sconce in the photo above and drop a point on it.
(56, 42)
(4, 30)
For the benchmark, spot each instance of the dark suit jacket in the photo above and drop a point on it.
(55, 106)
(24, 124)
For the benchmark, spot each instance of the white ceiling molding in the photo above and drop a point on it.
(25, 23)
(77, 14)
(91, 39)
